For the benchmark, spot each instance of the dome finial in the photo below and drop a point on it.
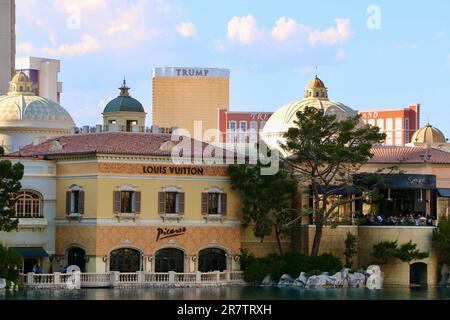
(124, 89)
(316, 72)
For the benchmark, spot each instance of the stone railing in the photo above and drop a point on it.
(114, 279)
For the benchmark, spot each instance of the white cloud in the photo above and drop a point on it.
(89, 5)
(87, 44)
(244, 30)
(186, 29)
(25, 48)
(287, 28)
(113, 25)
(340, 33)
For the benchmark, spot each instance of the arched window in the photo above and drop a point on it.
(170, 259)
(212, 259)
(125, 260)
(28, 204)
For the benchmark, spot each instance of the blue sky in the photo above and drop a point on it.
(271, 48)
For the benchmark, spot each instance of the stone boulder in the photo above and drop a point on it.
(357, 280)
(317, 281)
(374, 281)
(286, 280)
(267, 281)
(301, 280)
(2, 283)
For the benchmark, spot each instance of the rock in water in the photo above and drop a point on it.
(301, 280)
(357, 280)
(374, 281)
(267, 281)
(286, 280)
(2, 283)
(317, 281)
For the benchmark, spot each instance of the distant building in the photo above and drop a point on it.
(44, 74)
(241, 127)
(7, 43)
(182, 96)
(398, 124)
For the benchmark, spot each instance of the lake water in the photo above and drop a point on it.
(231, 293)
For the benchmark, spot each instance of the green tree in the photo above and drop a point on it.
(265, 199)
(386, 250)
(351, 249)
(326, 154)
(441, 241)
(9, 265)
(10, 176)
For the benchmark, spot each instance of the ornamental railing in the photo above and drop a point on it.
(113, 279)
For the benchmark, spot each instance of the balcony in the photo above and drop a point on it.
(33, 222)
(126, 216)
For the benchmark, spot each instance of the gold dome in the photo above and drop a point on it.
(316, 83)
(20, 77)
(21, 85)
(428, 135)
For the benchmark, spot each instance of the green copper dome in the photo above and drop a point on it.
(124, 102)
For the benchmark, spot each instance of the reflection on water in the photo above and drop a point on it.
(230, 293)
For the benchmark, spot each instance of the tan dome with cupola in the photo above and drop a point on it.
(428, 135)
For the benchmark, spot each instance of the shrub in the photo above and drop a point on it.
(290, 263)
(9, 265)
(351, 249)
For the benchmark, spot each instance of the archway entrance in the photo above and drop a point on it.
(169, 260)
(125, 260)
(77, 257)
(418, 274)
(212, 259)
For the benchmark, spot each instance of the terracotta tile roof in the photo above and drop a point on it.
(384, 154)
(123, 143)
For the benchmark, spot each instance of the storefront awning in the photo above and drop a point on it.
(338, 191)
(397, 181)
(444, 192)
(30, 252)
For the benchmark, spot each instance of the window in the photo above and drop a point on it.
(75, 198)
(253, 131)
(243, 131)
(75, 201)
(171, 202)
(407, 130)
(232, 132)
(28, 205)
(127, 202)
(112, 121)
(262, 124)
(214, 203)
(380, 124)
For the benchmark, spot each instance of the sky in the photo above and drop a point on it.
(370, 54)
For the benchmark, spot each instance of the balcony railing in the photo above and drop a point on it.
(113, 279)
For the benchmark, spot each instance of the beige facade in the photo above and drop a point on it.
(182, 96)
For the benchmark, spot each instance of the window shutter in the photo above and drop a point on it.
(181, 202)
(162, 202)
(204, 203)
(68, 202)
(223, 204)
(137, 202)
(116, 204)
(81, 202)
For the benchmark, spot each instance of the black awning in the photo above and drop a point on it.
(337, 191)
(396, 181)
(444, 192)
(30, 252)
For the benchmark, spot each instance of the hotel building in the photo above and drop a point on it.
(182, 96)
(44, 75)
(123, 205)
(398, 124)
(7, 43)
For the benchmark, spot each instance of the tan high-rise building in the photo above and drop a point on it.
(184, 95)
(7, 43)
